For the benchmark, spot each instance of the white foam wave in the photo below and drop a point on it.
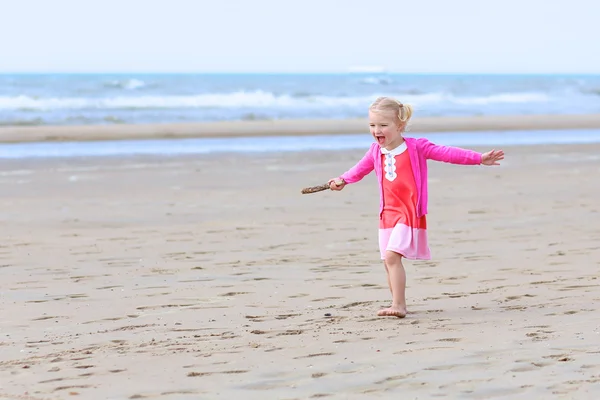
(374, 80)
(256, 99)
(503, 98)
(129, 84)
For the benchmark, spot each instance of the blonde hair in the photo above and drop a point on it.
(403, 111)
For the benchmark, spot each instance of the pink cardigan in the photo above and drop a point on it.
(419, 150)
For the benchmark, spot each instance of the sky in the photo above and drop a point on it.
(266, 36)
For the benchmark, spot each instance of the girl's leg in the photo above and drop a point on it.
(387, 273)
(397, 282)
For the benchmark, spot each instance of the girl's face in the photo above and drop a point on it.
(385, 129)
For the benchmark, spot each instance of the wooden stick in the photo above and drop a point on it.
(320, 188)
(315, 189)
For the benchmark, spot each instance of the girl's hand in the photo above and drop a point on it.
(492, 157)
(336, 184)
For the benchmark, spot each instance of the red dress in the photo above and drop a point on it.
(400, 230)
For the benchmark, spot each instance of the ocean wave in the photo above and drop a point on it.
(510, 98)
(128, 84)
(22, 122)
(592, 91)
(376, 80)
(253, 100)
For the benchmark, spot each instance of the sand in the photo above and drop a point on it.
(213, 277)
(16, 134)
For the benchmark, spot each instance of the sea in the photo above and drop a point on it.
(113, 99)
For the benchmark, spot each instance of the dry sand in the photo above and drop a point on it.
(16, 134)
(212, 277)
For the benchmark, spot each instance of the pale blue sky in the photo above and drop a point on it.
(423, 36)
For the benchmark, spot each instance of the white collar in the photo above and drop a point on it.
(398, 150)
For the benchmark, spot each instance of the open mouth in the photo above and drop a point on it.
(380, 139)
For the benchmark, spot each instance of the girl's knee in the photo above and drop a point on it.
(392, 259)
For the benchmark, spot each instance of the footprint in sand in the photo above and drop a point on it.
(291, 332)
(295, 296)
(256, 318)
(199, 374)
(51, 380)
(326, 298)
(530, 366)
(314, 355)
(72, 387)
(175, 392)
(286, 316)
(230, 294)
(560, 357)
(85, 366)
(46, 318)
(395, 378)
(357, 303)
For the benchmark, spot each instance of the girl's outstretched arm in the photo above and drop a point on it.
(449, 154)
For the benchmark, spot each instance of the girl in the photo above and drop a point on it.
(401, 167)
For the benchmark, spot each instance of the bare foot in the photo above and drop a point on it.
(393, 311)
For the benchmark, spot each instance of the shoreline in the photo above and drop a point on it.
(231, 129)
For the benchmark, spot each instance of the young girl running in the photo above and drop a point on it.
(401, 167)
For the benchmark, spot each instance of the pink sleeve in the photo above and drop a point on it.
(360, 170)
(453, 155)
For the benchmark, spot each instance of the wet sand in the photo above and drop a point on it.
(213, 277)
(17, 134)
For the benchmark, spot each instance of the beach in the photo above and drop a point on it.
(290, 127)
(201, 277)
